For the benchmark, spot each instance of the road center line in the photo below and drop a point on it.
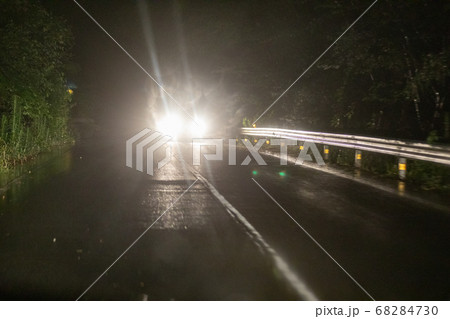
(297, 284)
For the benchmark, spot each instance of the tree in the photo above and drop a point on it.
(34, 102)
(392, 68)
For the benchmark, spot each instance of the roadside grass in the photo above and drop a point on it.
(22, 137)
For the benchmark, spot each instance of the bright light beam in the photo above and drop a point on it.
(170, 125)
(200, 129)
(134, 60)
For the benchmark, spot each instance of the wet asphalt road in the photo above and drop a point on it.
(67, 220)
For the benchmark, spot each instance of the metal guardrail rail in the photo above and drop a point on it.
(400, 148)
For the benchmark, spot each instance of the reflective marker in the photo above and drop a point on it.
(326, 152)
(255, 172)
(282, 174)
(358, 158)
(402, 168)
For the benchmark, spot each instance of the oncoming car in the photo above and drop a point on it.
(181, 127)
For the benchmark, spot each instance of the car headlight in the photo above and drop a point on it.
(170, 125)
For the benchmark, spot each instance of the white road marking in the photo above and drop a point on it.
(297, 284)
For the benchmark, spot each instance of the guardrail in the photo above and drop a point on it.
(399, 148)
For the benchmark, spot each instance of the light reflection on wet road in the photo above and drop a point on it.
(63, 224)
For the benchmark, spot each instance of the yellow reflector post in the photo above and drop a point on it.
(70, 91)
(402, 168)
(267, 142)
(358, 157)
(326, 152)
(254, 125)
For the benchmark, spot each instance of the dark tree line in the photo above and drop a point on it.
(34, 98)
(391, 70)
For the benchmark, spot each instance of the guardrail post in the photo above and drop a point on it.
(358, 157)
(402, 168)
(326, 152)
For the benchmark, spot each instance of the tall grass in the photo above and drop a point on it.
(22, 137)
